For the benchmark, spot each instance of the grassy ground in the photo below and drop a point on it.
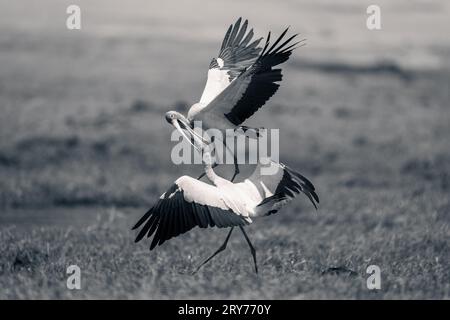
(378, 157)
(299, 258)
(85, 150)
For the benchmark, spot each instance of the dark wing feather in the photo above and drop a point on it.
(290, 185)
(263, 79)
(173, 215)
(235, 51)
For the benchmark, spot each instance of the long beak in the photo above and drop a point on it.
(177, 126)
(192, 132)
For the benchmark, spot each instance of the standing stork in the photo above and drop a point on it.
(189, 203)
(240, 81)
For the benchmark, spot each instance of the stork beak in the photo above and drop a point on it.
(177, 126)
(192, 132)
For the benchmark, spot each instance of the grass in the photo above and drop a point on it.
(301, 255)
(384, 201)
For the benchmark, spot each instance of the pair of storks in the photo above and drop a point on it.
(240, 80)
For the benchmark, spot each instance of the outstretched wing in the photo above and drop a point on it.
(187, 204)
(236, 54)
(252, 88)
(279, 184)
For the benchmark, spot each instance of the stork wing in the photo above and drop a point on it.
(252, 88)
(236, 54)
(281, 186)
(188, 203)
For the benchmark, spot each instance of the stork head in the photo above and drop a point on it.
(184, 126)
(173, 115)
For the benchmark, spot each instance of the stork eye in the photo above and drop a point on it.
(172, 116)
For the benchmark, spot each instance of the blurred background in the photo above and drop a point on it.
(85, 149)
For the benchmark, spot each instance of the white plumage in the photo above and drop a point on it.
(217, 81)
(191, 202)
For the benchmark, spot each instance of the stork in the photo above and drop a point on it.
(190, 202)
(240, 81)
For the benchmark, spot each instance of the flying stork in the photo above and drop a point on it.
(190, 202)
(240, 81)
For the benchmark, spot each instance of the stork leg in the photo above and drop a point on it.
(235, 162)
(221, 248)
(236, 169)
(252, 249)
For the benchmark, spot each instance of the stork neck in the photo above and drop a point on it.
(212, 176)
(207, 162)
(194, 109)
